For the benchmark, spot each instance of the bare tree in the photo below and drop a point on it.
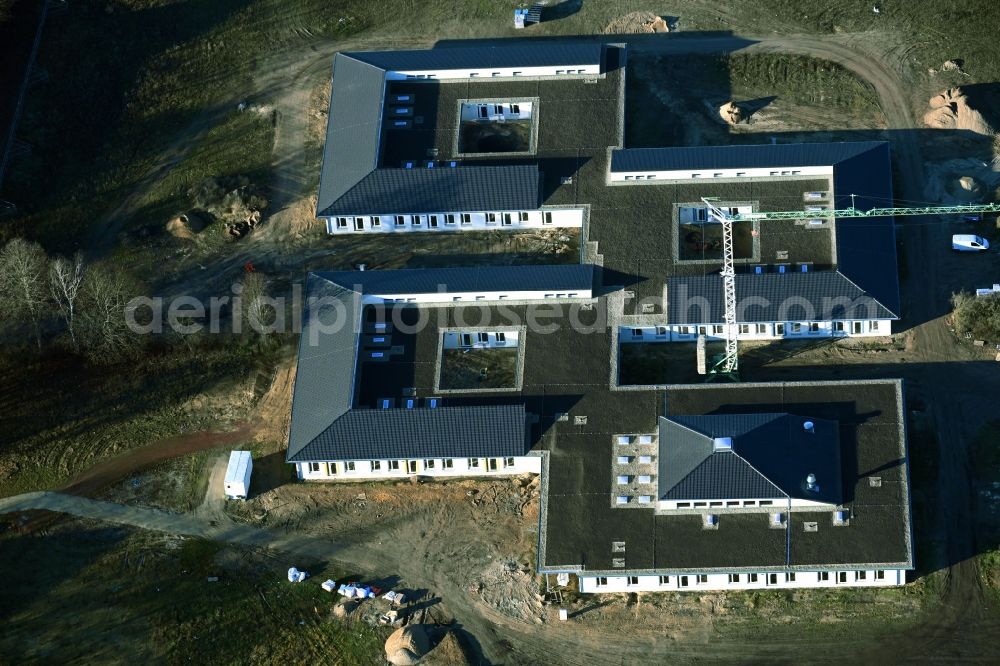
(65, 280)
(22, 269)
(102, 325)
(257, 312)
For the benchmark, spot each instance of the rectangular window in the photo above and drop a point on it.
(766, 502)
(636, 332)
(879, 575)
(473, 463)
(416, 220)
(601, 581)
(682, 581)
(449, 463)
(508, 462)
(501, 337)
(813, 327)
(483, 337)
(772, 579)
(523, 216)
(716, 330)
(376, 465)
(394, 465)
(491, 218)
(761, 329)
(429, 464)
(633, 580)
(734, 579)
(411, 467)
(796, 327)
(491, 464)
(434, 221)
(547, 218)
(314, 467)
(664, 580)
(753, 578)
(860, 575)
(376, 222)
(789, 578)
(684, 505)
(744, 328)
(359, 223)
(873, 326)
(661, 331)
(779, 329)
(841, 576)
(400, 220)
(466, 218)
(449, 218)
(466, 339)
(508, 219)
(702, 579)
(349, 466)
(838, 326)
(341, 222)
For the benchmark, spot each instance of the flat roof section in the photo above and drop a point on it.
(580, 522)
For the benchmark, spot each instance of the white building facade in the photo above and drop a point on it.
(468, 220)
(711, 581)
(396, 468)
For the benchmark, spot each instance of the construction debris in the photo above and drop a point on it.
(233, 201)
(637, 22)
(407, 645)
(733, 114)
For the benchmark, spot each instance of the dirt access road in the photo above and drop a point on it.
(282, 82)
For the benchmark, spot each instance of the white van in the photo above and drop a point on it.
(969, 243)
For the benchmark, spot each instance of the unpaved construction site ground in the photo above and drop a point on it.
(465, 549)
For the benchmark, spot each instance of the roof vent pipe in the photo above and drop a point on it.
(809, 426)
(811, 484)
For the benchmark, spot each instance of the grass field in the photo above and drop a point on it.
(88, 592)
(477, 369)
(59, 416)
(987, 465)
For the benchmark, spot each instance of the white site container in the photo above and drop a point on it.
(237, 483)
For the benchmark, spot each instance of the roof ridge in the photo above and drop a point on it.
(866, 293)
(781, 492)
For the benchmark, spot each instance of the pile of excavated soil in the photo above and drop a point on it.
(960, 181)
(965, 187)
(732, 113)
(637, 22)
(511, 590)
(952, 109)
(448, 652)
(407, 645)
(185, 226)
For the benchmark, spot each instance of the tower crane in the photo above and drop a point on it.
(728, 365)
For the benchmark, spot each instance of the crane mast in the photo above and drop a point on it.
(728, 364)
